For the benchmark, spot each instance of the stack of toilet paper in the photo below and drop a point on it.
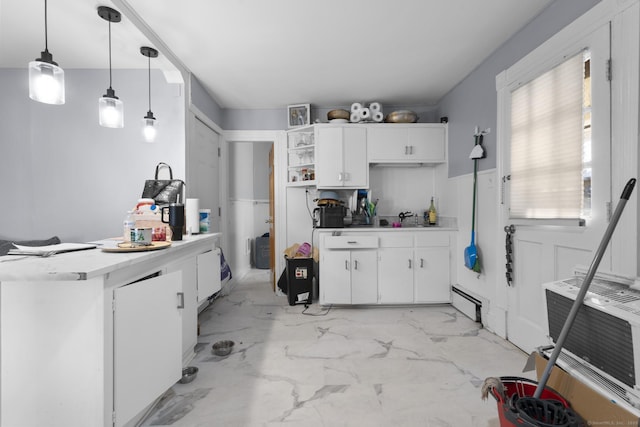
(373, 113)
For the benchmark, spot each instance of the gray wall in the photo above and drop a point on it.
(473, 102)
(65, 175)
(204, 102)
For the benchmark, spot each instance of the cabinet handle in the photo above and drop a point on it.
(346, 264)
(411, 149)
(406, 149)
(355, 264)
(340, 177)
(347, 176)
(409, 264)
(181, 298)
(352, 242)
(421, 262)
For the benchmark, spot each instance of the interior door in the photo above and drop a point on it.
(204, 177)
(272, 220)
(546, 253)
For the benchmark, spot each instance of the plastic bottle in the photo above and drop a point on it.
(433, 215)
(128, 224)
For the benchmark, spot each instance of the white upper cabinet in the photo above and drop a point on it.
(407, 143)
(341, 157)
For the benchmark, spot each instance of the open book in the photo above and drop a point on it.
(49, 249)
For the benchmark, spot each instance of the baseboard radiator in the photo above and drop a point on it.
(466, 304)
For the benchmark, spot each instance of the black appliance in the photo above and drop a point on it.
(330, 216)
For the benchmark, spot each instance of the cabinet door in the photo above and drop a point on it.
(386, 144)
(335, 277)
(188, 269)
(432, 282)
(355, 164)
(208, 274)
(395, 278)
(147, 343)
(427, 144)
(329, 157)
(364, 277)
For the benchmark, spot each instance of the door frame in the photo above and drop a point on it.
(278, 139)
(625, 42)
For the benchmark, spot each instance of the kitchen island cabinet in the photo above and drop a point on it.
(412, 265)
(91, 338)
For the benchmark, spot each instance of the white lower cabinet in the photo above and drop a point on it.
(431, 275)
(385, 267)
(147, 350)
(208, 274)
(351, 277)
(396, 275)
(188, 268)
(348, 270)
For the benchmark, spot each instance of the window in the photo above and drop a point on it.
(551, 143)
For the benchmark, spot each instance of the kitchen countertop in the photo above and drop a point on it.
(90, 263)
(369, 228)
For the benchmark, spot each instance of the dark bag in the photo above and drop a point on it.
(164, 191)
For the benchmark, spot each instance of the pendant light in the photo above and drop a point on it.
(110, 108)
(46, 78)
(149, 123)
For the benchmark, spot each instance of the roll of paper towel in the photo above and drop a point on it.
(365, 114)
(356, 107)
(378, 117)
(355, 117)
(192, 214)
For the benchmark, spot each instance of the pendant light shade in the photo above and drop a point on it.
(149, 122)
(110, 108)
(46, 78)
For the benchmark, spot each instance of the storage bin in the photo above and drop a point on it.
(262, 252)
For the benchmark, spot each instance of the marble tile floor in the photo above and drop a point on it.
(386, 366)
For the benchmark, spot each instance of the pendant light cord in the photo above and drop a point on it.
(46, 41)
(149, 58)
(109, 54)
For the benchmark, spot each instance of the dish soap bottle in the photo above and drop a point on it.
(433, 215)
(128, 224)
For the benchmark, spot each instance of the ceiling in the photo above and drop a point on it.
(269, 54)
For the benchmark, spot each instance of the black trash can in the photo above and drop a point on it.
(299, 273)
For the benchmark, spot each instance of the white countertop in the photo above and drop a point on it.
(90, 263)
(387, 229)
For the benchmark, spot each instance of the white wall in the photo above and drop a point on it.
(65, 175)
(488, 286)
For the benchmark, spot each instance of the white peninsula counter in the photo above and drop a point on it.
(91, 338)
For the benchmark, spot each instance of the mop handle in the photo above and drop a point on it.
(626, 193)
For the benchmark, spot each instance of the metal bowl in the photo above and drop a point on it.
(223, 348)
(188, 374)
(338, 114)
(401, 116)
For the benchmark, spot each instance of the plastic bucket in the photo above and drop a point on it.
(518, 408)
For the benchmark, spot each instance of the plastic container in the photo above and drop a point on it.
(205, 220)
(128, 223)
(262, 252)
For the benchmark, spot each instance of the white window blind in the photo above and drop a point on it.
(546, 144)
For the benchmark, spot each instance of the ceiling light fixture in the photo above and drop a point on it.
(149, 123)
(46, 78)
(110, 108)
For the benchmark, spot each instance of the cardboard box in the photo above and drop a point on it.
(591, 405)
